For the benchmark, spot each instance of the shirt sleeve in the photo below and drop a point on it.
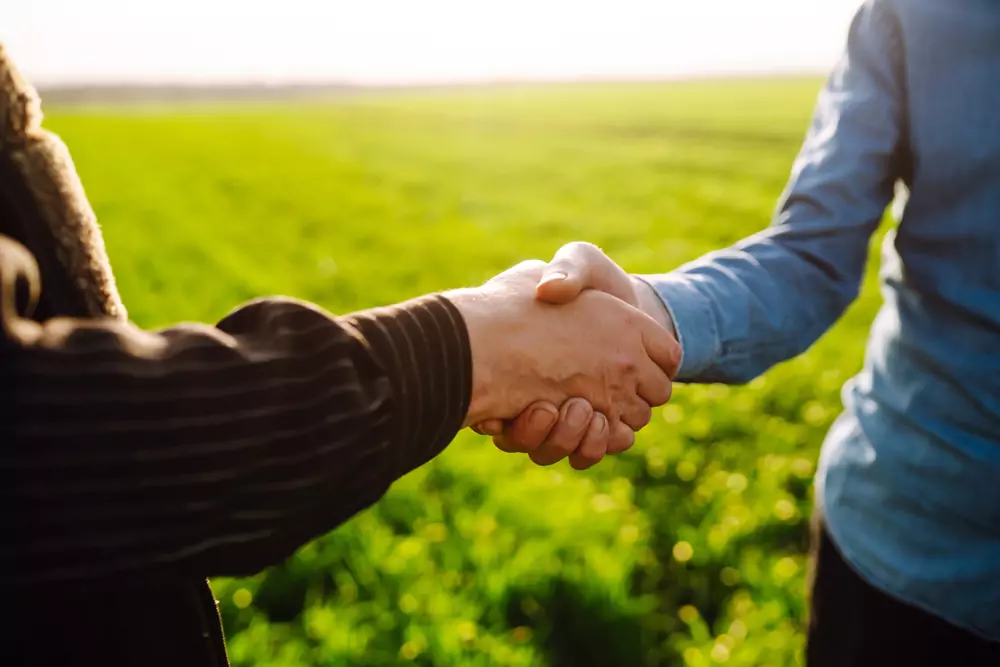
(211, 450)
(739, 311)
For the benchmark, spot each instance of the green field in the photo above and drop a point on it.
(687, 550)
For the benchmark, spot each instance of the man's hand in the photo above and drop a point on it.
(596, 347)
(575, 268)
(580, 266)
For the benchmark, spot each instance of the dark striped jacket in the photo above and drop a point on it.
(137, 464)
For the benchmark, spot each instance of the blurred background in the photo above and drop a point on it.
(361, 153)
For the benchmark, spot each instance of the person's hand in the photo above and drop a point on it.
(580, 266)
(548, 434)
(596, 347)
(576, 267)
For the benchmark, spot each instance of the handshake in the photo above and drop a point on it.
(568, 358)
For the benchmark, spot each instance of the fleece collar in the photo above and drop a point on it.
(43, 207)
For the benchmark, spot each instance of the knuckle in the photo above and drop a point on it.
(624, 366)
(643, 414)
(659, 393)
(635, 421)
(623, 438)
(626, 442)
(582, 247)
(531, 265)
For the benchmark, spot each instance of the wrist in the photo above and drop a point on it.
(473, 306)
(652, 304)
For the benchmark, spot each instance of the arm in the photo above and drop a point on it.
(739, 311)
(214, 450)
(219, 450)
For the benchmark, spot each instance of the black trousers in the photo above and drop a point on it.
(852, 624)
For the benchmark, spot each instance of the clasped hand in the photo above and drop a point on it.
(578, 333)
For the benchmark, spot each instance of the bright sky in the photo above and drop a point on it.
(407, 41)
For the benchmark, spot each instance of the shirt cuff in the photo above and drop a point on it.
(423, 346)
(694, 322)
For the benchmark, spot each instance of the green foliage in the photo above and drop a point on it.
(687, 550)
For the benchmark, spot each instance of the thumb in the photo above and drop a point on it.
(559, 285)
(567, 274)
(579, 266)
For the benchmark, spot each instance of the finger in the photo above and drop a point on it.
(504, 445)
(566, 275)
(594, 445)
(574, 418)
(661, 347)
(530, 428)
(544, 419)
(579, 266)
(654, 385)
(488, 427)
(621, 438)
(637, 414)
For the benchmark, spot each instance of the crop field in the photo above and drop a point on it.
(689, 549)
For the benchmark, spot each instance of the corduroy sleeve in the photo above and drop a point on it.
(213, 450)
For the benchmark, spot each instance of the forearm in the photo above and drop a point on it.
(738, 312)
(423, 348)
(216, 450)
(742, 310)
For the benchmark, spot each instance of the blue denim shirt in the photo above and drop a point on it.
(909, 476)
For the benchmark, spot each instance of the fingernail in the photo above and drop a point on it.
(577, 414)
(600, 423)
(552, 277)
(541, 418)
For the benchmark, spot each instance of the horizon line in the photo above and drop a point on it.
(249, 83)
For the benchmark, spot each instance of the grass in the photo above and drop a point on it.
(687, 550)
